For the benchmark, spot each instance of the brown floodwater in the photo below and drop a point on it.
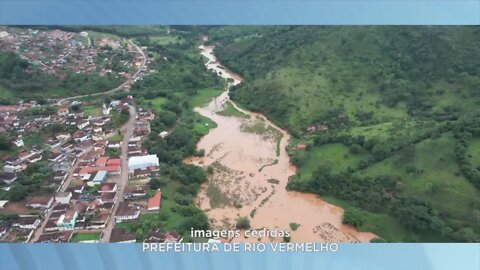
(250, 177)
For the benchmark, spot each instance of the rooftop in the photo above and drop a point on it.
(44, 200)
(119, 235)
(107, 187)
(148, 160)
(154, 202)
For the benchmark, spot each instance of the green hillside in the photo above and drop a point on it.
(390, 117)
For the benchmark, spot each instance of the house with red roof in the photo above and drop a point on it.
(107, 188)
(154, 201)
(101, 161)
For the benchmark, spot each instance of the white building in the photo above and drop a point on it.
(29, 223)
(163, 134)
(3, 203)
(18, 142)
(125, 212)
(63, 197)
(142, 162)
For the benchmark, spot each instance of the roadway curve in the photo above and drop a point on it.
(120, 87)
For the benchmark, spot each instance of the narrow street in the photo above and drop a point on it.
(122, 180)
(39, 230)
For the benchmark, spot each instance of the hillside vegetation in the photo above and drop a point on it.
(389, 115)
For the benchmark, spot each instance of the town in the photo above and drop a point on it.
(84, 162)
(99, 175)
(57, 51)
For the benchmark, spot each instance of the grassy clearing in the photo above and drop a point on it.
(92, 110)
(167, 40)
(94, 35)
(336, 155)
(203, 125)
(232, 112)
(204, 96)
(5, 93)
(156, 104)
(437, 178)
(379, 131)
(80, 237)
(3, 193)
(473, 152)
(33, 139)
(115, 138)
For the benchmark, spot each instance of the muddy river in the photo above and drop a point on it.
(250, 172)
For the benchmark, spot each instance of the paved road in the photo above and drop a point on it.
(122, 180)
(120, 87)
(41, 228)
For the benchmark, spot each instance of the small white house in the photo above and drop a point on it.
(18, 142)
(163, 134)
(63, 197)
(3, 203)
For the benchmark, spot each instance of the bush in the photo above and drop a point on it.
(210, 169)
(378, 240)
(243, 223)
(294, 226)
(354, 217)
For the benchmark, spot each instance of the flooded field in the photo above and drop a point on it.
(251, 167)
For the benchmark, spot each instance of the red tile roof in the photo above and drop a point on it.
(107, 187)
(112, 168)
(154, 202)
(102, 161)
(114, 161)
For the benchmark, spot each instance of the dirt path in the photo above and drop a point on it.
(251, 171)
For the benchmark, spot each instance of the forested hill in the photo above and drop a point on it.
(310, 71)
(390, 117)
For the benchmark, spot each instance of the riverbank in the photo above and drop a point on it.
(242, 186)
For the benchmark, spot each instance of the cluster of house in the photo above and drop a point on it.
(78, 210)
(86, 196)
(17, 164)
(78, 155)
(54, 51)
(10, 119)
(317, 128)
(88, 142)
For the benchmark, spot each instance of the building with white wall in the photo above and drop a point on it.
(142, 162)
